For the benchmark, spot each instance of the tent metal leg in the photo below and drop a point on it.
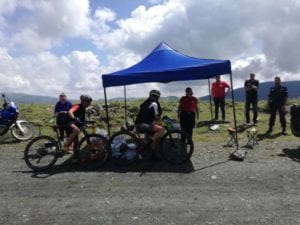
(106, 109)
(209, 90)
(234, 115)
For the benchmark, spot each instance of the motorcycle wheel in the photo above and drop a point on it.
(22, 136)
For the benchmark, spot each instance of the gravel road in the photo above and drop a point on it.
(210, 189)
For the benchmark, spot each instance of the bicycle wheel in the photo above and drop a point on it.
(41, 153)
(22, 135)
(93, 151)
(176, 147)
(123, 148)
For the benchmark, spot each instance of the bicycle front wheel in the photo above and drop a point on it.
(93, 151)
(22, 135)
(41, 153)
(176, 147)
(123, 148)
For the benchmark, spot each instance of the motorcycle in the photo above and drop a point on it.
(21, 130)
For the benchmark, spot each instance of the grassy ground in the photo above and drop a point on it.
(42, 114)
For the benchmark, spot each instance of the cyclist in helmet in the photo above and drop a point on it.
(76, 118)
(149, 116)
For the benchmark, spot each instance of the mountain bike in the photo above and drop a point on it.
(130, 144)
(42, 152)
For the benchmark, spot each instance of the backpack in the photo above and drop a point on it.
(146, 114)
(295, 120)
(238, 155)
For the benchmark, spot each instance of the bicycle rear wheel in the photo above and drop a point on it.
(41, 153)
(123, 148)
(93, 151)
(176, 147)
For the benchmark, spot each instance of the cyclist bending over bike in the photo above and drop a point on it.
(149, 116)
(76, 117)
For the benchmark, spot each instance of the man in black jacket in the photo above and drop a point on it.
(251, 89)
(277, 100)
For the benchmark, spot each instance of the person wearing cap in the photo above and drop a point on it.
(148, 117)
(188, 111)
(76, 118)
(219, 89)
(60, 111)
(251, 89)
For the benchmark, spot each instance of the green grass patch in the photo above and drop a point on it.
(42, 114)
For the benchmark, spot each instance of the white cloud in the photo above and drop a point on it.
(10, 74)
(42, 24)
(262, 34)
(257, 36)
(7, 6)
(47, 74)
(84, 71)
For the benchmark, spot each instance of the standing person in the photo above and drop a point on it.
(251, 89)
(219, 90)
(76, 118)
(187, 111)
(60, 111)
(277, 100)
(148, 117)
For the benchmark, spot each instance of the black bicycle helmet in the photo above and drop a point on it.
(155, 93)
(85, 98)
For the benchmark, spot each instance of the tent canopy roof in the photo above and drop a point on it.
(165, 64)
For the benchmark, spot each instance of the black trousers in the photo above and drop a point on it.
(61, 123)
(187, 122)
(219, 103)
(248, 104)
(281, 112)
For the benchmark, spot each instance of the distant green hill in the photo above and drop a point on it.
(25, 98)
(264, 89)
(293, 89)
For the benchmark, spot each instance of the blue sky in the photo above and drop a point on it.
(49, 46)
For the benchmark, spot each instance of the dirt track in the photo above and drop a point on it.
(264, 189)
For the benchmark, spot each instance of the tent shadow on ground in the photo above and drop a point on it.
(293, 154)
(212, 165)
(141, 167)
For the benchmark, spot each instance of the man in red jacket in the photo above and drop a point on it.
(219, 90)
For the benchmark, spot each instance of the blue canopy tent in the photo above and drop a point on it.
(165, 64)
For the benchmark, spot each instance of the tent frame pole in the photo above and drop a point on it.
(106, 109)
(125, 105)
(234, 115)
(209, 90)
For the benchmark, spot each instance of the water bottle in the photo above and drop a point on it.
(115, 152)
(130, 154)
(131, 146)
